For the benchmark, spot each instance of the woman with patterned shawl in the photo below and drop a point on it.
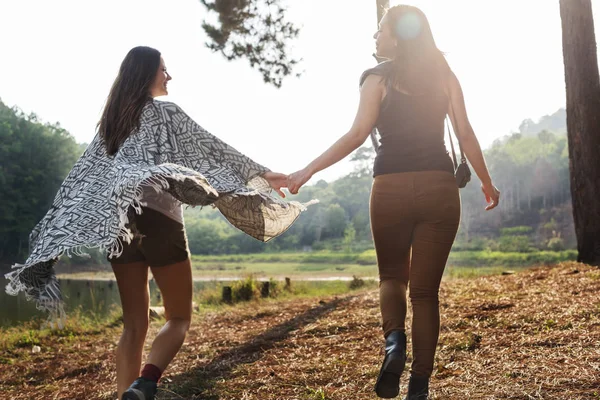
(125, 195)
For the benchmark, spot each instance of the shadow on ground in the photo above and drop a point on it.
(200, 382)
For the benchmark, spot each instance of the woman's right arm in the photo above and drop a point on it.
(470, 145)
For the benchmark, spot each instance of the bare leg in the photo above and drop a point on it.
(175, 284)
(132, 280)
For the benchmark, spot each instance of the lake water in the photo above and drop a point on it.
(102, 296)
(98, 296)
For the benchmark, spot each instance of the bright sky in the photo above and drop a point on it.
(59, 58)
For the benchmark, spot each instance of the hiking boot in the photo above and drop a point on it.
(388, 381)
(140, 389)
(418, 388)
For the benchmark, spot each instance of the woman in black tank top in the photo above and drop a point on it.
(415, 205)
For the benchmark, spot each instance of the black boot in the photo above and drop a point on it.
(418, 388)
(388, 382)
(140, 389)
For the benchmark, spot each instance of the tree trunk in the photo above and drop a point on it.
(583, 123)
(545, 202)
(382, 5)
(519, 195)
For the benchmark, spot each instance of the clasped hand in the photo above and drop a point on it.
(292, 182)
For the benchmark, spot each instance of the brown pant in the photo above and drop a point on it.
(414, 219)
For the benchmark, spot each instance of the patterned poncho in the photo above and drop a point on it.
(169, 152)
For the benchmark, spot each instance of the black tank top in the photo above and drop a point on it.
(412, 131)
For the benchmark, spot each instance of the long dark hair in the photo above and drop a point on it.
(128, 95)
(418, 65)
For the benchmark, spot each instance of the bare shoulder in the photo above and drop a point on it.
(373, 84)
(374, 80)
(452, 83)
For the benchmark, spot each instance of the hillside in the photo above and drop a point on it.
(555, 123)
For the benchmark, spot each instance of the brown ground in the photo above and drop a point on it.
(532, 335)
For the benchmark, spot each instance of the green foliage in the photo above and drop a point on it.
(516, 230)
(276, 288)
(316, 394)
(320, 257)
(34, 160)
(475, 244)
(530, 169)
(349, 237)
(356, 283)
(248, 289)
(343, 203)
(555, 123)
(335, 221)
(27, 339)
(556, 244)
(367, 258)
(245, 290)
(312, 267)
(515, 239)
(500, 258)
(37, 331)
(256, 30)
(519, 243)
(94, 260)
(325, 288)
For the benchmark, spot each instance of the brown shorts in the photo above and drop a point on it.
(158, 240)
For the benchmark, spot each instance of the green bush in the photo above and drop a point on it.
(556, 244)
(512, 259)
(368, 257)
(356, 283)
(516, 230)
(274, 288)
(475, 244)
(212, 297)
(245, 290)
(516, 243)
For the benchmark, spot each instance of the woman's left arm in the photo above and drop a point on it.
(371, 94)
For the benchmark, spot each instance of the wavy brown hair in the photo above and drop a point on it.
(417, 65)
(128, 95)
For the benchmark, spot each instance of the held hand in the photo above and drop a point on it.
(297, 179)
(276, 181)
(492, 195)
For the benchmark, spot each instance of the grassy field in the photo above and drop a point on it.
(330, 264)
(326, 264)
(530, 335)
(462, 258)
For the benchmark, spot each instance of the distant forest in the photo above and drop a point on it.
(530, 167)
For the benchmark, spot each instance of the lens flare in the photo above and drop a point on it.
(408, 26)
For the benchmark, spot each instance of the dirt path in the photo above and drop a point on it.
(532, 335)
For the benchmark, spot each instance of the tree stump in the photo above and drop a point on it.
(264, 290)
(227, 295)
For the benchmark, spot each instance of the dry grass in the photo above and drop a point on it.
(532, 335)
